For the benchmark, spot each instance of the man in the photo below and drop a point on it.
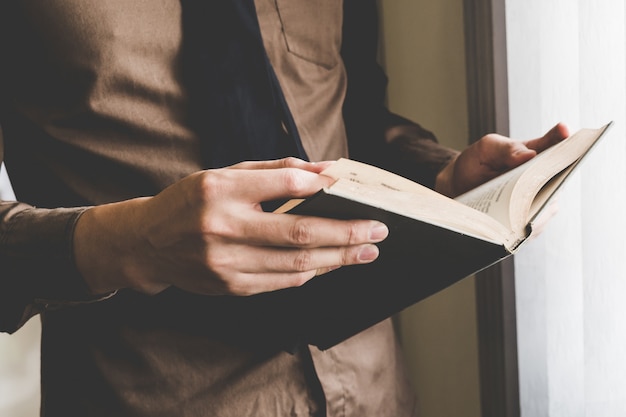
(144, 140)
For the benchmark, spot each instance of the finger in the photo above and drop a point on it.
(518, 154)
(258, 185)
(259, 283)
(289, 162)
(250, 284)
(288, 230)
(261, 259)
(500, 153)
(266, 269)
(552, 137)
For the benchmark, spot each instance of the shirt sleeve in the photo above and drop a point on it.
(37, 268)
(414, 152)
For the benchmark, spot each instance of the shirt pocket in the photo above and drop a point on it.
(312, 29)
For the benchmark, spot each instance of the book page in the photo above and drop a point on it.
(362, 173)
(450, 215)
(499, 210)
(393, 192)
(521, 185)
(545, 176)
(493, 197)
(515, 196)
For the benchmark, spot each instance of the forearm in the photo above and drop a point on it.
(444, 179)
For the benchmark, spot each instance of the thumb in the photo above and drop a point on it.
(558, 132)
(503, 153)
(520, 154)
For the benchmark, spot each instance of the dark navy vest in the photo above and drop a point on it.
(237, 104)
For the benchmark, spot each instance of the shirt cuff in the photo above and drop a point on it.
(37, 267)
(416, 154)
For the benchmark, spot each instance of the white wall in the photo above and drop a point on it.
(19, 371)
(423, 52)
(6, 192)
(19, 355)
(567, 62)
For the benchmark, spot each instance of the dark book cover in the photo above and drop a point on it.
(416, 260)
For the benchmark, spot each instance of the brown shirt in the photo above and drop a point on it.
(94, 110)
(303, 42)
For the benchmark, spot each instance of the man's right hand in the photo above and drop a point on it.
(207, 234)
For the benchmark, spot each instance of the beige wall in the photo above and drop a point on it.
(423, 52)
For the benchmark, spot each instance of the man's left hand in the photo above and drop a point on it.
(491, 156)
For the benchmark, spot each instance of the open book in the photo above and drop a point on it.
(500, 211)
(434, 240)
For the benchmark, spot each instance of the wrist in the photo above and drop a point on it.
(444, 183)
(105, 245)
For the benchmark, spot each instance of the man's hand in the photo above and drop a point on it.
(207, 234)
(491, 156)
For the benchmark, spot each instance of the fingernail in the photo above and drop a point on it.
(368, 253)
(378, 232)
